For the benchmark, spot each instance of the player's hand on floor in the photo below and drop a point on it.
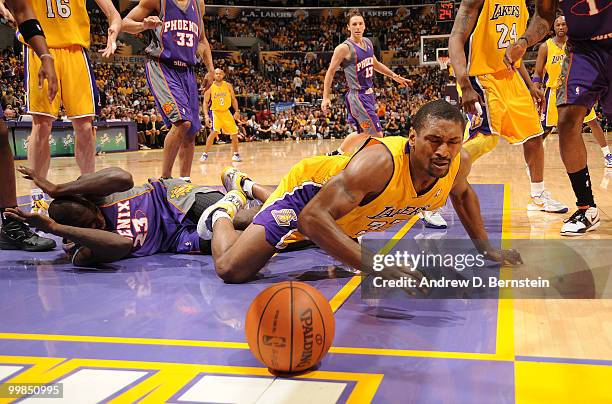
(44, 184)
(512, 257)
(41, 222)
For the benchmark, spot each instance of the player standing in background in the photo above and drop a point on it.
(356, 57)
(15, 235)
(547, 71)
(178, 41)
(586, 77)
(481, 32)
(66, 26)
(222, 96)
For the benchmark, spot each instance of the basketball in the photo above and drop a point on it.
(290, 327)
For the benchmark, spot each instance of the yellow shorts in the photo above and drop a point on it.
(224, 121)
(550, 115)
(77, 90)
(509, 110)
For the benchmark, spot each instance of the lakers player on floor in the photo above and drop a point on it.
(547, 73)
(176, 45)
(332, 200)
(356, 57)
(586, 77)
(221, 96)
(14, 235)
(480, 34)
(66, 26)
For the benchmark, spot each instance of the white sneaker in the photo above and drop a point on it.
(433, 219)
(236, 157)
(203, 157)
(545, 203)
(231, 203)
(608, 160)
(582, 221)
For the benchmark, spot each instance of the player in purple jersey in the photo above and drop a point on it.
(178, 40)
(356, 57)
(105, 218)
(14, 235)
(585, 79)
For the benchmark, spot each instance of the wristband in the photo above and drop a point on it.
(46, 55)
(30, 29)
(536, 79)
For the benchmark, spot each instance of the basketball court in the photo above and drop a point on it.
(165, 328)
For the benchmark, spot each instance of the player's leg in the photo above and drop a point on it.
(84, 144)
(210, 140)
(186, 153)
(600, 137)
(39, 153)
(172, 144)
(235, 154)
(362, 115)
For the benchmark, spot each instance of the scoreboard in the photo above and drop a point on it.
(445, 10)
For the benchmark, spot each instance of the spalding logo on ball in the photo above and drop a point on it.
(290, 327)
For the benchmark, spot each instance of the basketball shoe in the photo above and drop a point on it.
(233, 179)
(15, 235)
(582, 221)
(231, 203)
(608, 160)
(203, 157)
(545, 203)
(433, 219)
(236, 158)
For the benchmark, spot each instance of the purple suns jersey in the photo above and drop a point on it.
(359, 69)
(176, 40)
(589, 20)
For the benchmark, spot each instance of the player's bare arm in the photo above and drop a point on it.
(343, 193)
(539, 26)
(466, 204)
(140, 19)
(464, 24)
(341, 53)
(234, 102)
(98, 184)
(114, 26)
(383, 69)
(540, 64)
(204, 50)
(536, 93)
(205, 107)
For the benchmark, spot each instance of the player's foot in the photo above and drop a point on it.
(333, 153)
(231, 203)
(15, 235)
(233, 179)
(582, 221)
(546, 203)
(608, 160)
(39, 203)
(433, 219)
(203, 157)
(236, 157)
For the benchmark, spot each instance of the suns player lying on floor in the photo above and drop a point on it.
(106, 218)
(332, 200)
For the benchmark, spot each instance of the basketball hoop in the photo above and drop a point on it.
(443, 62)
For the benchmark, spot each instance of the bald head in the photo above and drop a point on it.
(219, 75)
(560, 27)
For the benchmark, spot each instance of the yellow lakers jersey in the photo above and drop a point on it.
(554, 60)
(500, 23)
(65, 23)
(397, 203)
(220, 96)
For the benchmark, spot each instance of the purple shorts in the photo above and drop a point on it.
(362, 112)
(586, 76)
(187, 240)
(175, 91)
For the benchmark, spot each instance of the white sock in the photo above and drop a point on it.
(247, 187)
(537, 188)
(340, 151)
(218, 214)
(605, 150)
(185, 178)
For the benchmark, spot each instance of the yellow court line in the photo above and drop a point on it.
(504, 338)
(343, 294)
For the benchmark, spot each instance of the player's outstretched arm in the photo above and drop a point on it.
(98, 184)
(140, 19)
(464, 24)
(341, 52)
(343, 193)
(466, 204)
(538, 27)
(383, 69)
(114, 26)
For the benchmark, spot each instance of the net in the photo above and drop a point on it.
(443, 62)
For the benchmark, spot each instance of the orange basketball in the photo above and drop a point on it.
(290, 326)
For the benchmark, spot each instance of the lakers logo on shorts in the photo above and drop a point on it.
(365, 124)
(284, 217)
(168, 107)
(475, 121)
(181, 190)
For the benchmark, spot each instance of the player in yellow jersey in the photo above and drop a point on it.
(66, 26)
(221, 96)
(332, 200)
(547, 74)
(498, 100)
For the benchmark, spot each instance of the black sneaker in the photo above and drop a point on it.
(18, 236)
